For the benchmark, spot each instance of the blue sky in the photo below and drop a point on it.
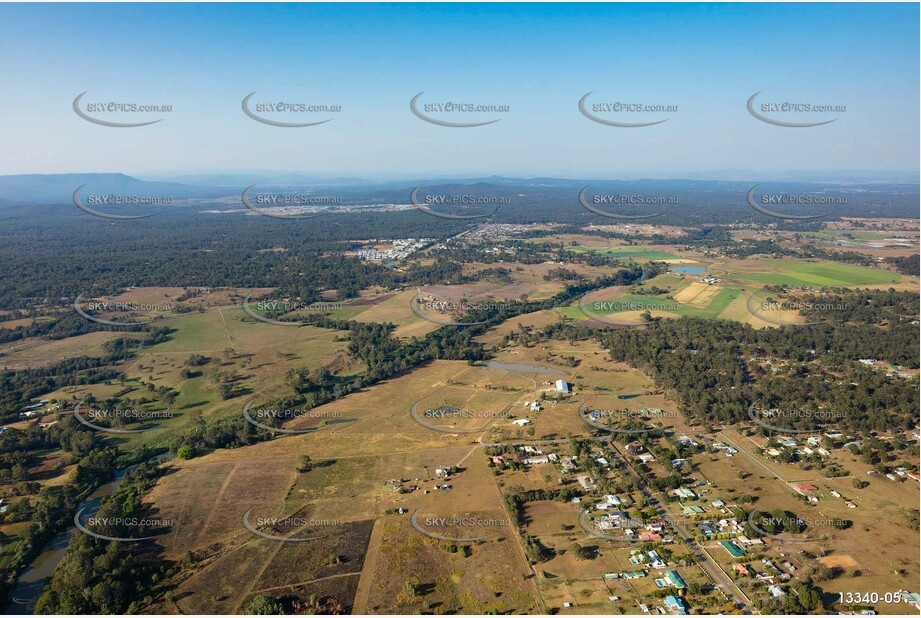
(538, 59)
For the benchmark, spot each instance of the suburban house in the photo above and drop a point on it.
(676, 605)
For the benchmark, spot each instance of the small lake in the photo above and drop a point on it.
(689, 270)
(524, 368)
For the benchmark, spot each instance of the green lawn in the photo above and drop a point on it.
(716, 306)
(625, 251)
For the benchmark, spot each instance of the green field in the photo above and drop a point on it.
(816, 274)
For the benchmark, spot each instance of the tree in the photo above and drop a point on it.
(264, 605)
(186, 451)
(306, 464)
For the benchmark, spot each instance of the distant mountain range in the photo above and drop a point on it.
(59, 188)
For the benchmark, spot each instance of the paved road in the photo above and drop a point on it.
(706, 562)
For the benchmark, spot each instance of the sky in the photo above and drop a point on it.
(537, 59)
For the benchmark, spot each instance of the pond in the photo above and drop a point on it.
(690, 270)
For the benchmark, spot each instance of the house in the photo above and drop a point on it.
(743, 569)
(603, 461)
(498, 459)
(805, 487)
(677, 463)
(718, 504)
(788, 442)
(562, 386)
(649, 535)
(913, 475)
(645, 458)
(684, 492)
(676, 605)
(654, 558)
(734, 550)
(692, 510)
(835, 493)
(537, 460)
(776, 592)
(686, 440)
(674, 578)
(521, 422)
(892, 477)
(535, 406)
(612, 499)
